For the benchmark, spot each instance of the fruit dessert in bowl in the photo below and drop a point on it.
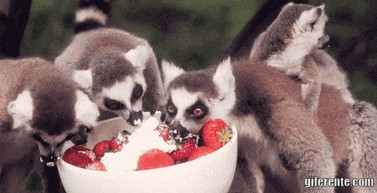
(120, 158)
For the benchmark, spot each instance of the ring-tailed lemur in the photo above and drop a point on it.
(324, 89)
(350, 125)
(292, 44)
(336, 92)
(114, 67)
(40, 109)
(276, 131)
(91, 14)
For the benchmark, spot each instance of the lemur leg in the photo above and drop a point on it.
(259, 169)
(50, 176)
(311, 84)
(310, 93)
(248, 178)
(303, 145)
(363, 161)
(155, 93)
(245, 180)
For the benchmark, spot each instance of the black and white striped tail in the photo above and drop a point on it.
(91, 14)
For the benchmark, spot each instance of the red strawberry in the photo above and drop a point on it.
(164, 130)
(100, 148)
(96, 165)
(115, 145)
(215, 133)
(201, 151)
(154, 159)
(184, 150)
(79, 156)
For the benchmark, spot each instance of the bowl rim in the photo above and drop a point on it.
(110, 175)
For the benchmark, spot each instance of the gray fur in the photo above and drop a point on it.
(363, 161)
(323, 81)
(276, 131)
(311, 86)
(85, 45)
(321, 68)
(109, 67)
(317, 66)
(331, 74)
(278, 34)
(198, 81)
(52, 88)
(285, 44)
(155, 92)
(53, 94)
(102, 50)
(48, 86)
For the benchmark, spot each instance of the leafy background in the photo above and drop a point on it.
(194, 33)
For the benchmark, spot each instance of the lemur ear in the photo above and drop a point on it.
(309, 18)
(138, 57)
(83, 78)
(286, 6)
(21, 109)
(86, 111)
(170, 72)
(224, 78)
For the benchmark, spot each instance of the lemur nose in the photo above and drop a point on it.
(319, 11)
(49, 160)
(80, 141)
(135, 118)
(323, 42)
(178, 132)
(80, 138)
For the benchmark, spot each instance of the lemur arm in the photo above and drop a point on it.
(155, 93)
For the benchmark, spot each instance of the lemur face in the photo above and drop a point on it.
(116, 82)
(196, 97)
(297, 30)
(52, 117)
(309, 28)
(124, 98)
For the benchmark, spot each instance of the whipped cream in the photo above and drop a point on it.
(140, 141)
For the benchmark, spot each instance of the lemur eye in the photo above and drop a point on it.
(113, 104)
(312, 25)
(85, 128)
(138, 90)
(69, 137)
(197, 112)
(38, 138)
(171, 109)
(136, 93)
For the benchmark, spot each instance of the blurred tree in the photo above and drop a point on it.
(14, 16)
(241, 45)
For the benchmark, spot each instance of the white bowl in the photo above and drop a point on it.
(212, 173)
